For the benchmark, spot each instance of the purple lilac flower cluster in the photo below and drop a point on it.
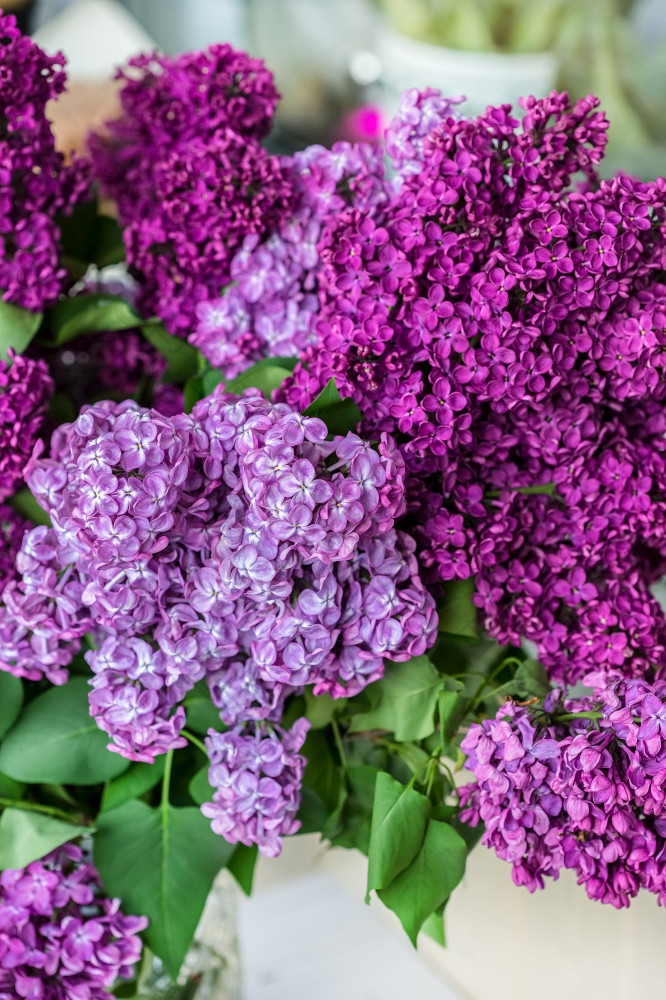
(582, 789)
(237, 544)
(25, 389)
(190, 178)
(169, 102)
(35, 183)
(507, 328)
(257, 775)
(272, 306)
(60, 938)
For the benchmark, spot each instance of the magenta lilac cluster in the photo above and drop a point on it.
(35, 182)
(256, 773)
(60, 937)
(25, 389)
(167, 103)
(581, 787)
(506, 325)
(236, 545)
(191, 179)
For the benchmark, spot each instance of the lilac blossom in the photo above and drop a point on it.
(60, 937)
(236, 546)
(35, 182)
(25, 389)
(256, 773)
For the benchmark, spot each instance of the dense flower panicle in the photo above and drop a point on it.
(167, 102)
(272, 305)
(236, 545)
(257, 774)
(60, 937)
(210, 196)
(507, 329)
(586, 793)
(35, 183)
(418, 114)
(25, 389)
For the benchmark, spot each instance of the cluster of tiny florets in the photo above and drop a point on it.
(35, 183)
(25, 389)
(237, 544)
(584, 792)
(60, 937)
(506, 326)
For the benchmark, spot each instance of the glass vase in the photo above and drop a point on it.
(211, 970)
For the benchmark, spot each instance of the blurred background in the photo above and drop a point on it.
(341, 65)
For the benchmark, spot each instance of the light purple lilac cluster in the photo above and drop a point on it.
(35, 182)
(236, 544)
(60, 937)
(506, 326)
(256, 773)
(272, 305)
(581, 788)
(25, 389)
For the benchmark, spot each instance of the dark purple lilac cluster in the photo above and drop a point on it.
(507, 327)
(35, 183)
(256, 773)
(237, 544)
(25, 389)
(191, 180)
(169, 102)
(580, 788)
(60, 937)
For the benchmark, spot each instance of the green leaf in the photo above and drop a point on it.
(355, 817)
(399, 818)
(434, 927)
(427, 883)
(109, 247)
(10, 789)
(458, 616)
(199, 787)
(25, 504)
(17, 328)
(267, 375)
(78, 230)
(409, 693)
(11, 699)
(241, 864)
(162, 863)
(320, 708)
(200, 711)
(90, 314)
(56, 741)
(451, 709)
(339, 415)
(26, 836)
(134, 783)
(183, 360)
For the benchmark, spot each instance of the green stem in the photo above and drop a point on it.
(338, 743)
(194, 740)
(569, 716)
(166, 780)
(37, 807)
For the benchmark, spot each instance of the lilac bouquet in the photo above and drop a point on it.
(332, 499)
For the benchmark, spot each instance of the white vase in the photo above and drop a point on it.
(482, 77)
